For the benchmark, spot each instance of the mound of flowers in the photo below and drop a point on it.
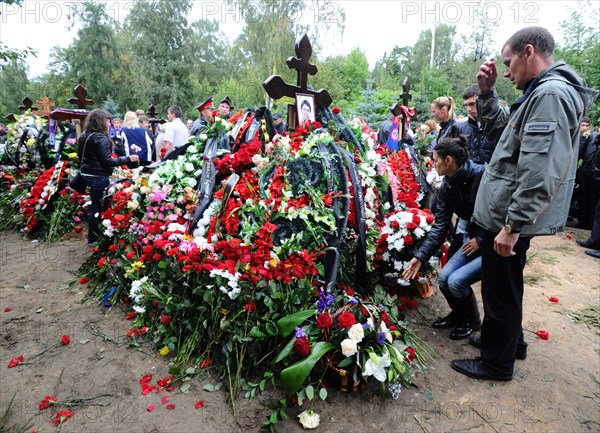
(221, 250)
(21, 142)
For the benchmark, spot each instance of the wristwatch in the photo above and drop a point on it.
(509, 229)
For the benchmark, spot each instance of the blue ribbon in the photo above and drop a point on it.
(107, 297)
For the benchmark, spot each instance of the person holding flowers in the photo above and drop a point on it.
(97, 163)
(457, 195)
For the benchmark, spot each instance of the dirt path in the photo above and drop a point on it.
(555, 389)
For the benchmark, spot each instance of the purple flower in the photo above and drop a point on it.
(381, 338)
(299, 333)
(324, 301)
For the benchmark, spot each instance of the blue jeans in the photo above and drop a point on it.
(98, 185)
(460, 272)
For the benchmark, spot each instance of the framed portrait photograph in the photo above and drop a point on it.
(305, 108)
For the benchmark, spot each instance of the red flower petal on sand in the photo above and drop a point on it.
(165, 399)
(7, 310)
(65, 340)
(569, 236)
(170, 406)
(553, 299)
(16, 361)
(169, 389)
(542, 334)
(145, 391)
(130, 316)
(84, 280)
(199, 404)
(150, 408)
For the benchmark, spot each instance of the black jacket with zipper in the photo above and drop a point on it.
(97, 159)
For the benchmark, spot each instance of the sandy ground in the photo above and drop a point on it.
(556, 389)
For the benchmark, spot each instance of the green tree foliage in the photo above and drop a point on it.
(13, 77)
(161, 52)
(93, 57)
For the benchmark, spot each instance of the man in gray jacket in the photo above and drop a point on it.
(527, 187)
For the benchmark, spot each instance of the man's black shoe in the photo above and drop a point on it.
(587, 244)
(476, 369)
(449, 321)
(593, 253)
(521, 352)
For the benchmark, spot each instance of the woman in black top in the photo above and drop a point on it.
(97, 163)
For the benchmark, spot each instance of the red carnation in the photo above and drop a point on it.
(61, 417)
(16, 361)
(130, 316)
(410, 353)
(165, 319)
(408, 240)
(336, 110)
(205, 363)
(78, 229)
(346, 320)
(324, 321)
(65, 340)
(84, 280)
(302, 347)
(47, 402)
(542, 334)
(250, 307)
(553, 299)
(199, 404)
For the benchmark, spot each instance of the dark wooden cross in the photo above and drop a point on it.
(277, 88)
(27, 104)
(46, 105)
(81, 103)
(152, 113)
(396, 109)
(81, 100)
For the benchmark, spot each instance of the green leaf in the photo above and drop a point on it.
(428, 395)
(285, 351)
(287, 324)
(293, 376)
(174, 371)
(185, 387)
(190, 370)
(162, 265)
(345, 362)
(257, 333)
(208, 387)
(323, 394)
(310, 392)
(218, 386)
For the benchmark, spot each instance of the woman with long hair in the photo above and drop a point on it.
(97, 163)
(457, 195)
(443, 110)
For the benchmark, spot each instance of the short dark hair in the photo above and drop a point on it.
(541, 39)
(96, 120)
(176, 111)
(455, 147)
(472, 90)
(586, 120)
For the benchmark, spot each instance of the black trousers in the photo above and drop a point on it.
(502, 294)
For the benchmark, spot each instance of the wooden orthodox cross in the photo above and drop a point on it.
(26, 104)
(82, 102)
(277, 88)
(46, 105)
(153, 120)
(397, 110)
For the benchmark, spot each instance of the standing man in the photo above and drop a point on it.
(176, 133)
(225, 107)
(205, 109)
(526, 188)
(587, 192)
(480, 148)
(279, 124)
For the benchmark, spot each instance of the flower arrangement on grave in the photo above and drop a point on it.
(22, 136)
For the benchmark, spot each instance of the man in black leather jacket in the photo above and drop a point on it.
(480, 148)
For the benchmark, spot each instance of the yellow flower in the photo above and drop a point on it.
(164, 351)
(135, 267)
(72, 155)
(274, 262)
(31, 142)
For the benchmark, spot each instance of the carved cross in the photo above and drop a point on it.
(277, 88)
(396, 109)
(46, 104)
(81, 100)
(27, 104)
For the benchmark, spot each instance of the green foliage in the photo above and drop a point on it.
(112, 107)
(13, 76)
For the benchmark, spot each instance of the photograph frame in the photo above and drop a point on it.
(302, 100)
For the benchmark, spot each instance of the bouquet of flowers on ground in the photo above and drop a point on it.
(344, 343)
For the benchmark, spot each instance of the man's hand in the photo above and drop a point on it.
(134, 158)
(487, 75)
(470, 247)
(504, 243)
(413, 269)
